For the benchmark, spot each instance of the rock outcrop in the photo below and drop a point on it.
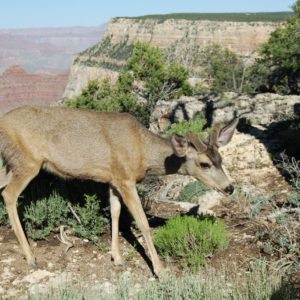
(259, 109)
(18, 87)
(181, 39)
(248, 158)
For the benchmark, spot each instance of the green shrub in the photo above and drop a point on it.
(92, 219)
(223, 70)
(191, 191)
(105, 98)
(190, 239)
(42, 216)
(145, 75)
(43, 206)
(279, 57)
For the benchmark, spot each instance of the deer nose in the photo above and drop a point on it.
(229, 189)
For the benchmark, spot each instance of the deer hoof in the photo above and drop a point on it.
(33, 264)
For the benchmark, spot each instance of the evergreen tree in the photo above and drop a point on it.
(280, 56)
(145, 75)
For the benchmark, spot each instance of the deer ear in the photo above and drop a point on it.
(179, 144)
(227, 132)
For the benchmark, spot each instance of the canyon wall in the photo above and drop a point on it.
(52, 49)
(18, 87)
(181, 40)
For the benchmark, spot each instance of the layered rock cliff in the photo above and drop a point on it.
(45, 48)
(181, 39)
(18, 87)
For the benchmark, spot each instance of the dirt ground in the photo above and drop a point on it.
(94, 266)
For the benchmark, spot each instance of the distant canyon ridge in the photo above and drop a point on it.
(35, 62)
(18, 88)
(40, 50)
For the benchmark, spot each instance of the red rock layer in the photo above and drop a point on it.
(18, 87)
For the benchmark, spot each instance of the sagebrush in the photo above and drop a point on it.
(191, 239)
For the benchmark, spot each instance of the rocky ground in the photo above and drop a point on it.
(247, 160)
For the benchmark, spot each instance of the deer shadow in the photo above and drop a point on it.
(43, 186)
(208, 111)
(279, 136)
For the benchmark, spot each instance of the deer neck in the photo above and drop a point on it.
(160, 157)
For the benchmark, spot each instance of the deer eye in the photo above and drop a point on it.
(204, 165)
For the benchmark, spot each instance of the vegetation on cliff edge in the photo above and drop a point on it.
(145, 80)
(221, 17)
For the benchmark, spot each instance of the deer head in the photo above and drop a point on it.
(202, 159)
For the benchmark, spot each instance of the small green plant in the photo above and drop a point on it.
(192, 191)
(92, 220)
(130, 255)
(254, 200)
(42, 216)
(195, 125)
(190, 239)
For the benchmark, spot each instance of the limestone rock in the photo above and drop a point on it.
(259, 109)
(181, 40)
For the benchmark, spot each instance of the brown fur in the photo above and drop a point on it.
(105, 147)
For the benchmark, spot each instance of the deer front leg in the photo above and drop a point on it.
(115, 209)
(132, 201)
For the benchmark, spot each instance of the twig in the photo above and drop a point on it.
(74, 213)
(283, 265)
(167, 188)
(62, 240)
(76, 216)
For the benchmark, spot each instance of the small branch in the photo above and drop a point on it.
(167, 188)
(283, 265)
(62, 240)
(74, 213)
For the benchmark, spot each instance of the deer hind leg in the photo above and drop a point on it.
(115, 209)
(15, 186)
(133, 202)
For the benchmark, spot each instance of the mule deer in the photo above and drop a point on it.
(107, 147)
